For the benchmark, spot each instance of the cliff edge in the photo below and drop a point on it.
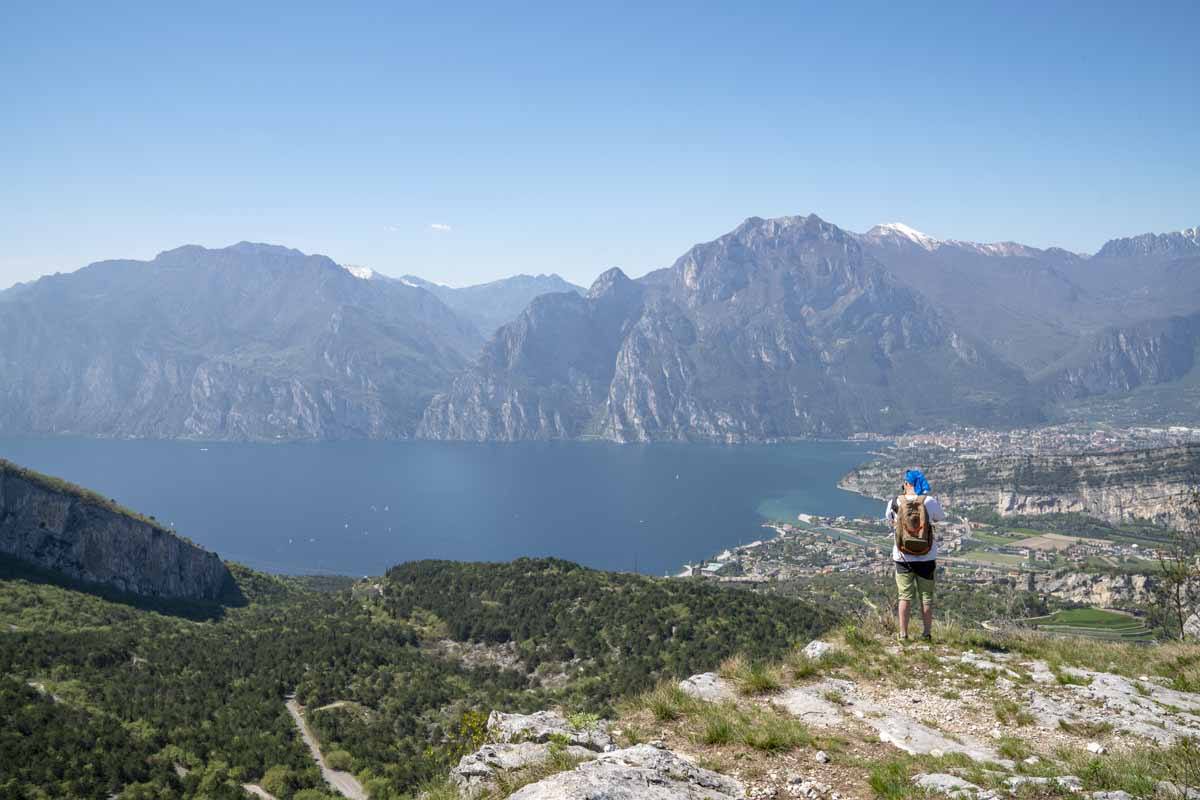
(59, 526)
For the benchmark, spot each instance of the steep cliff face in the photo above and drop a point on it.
(1121, 359)
(544, 375)
(1105, 591)
(57, 526)
(780, 329)
(1150, 485)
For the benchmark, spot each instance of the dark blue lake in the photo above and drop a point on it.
(357, 508)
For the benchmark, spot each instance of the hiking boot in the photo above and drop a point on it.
(927, 638)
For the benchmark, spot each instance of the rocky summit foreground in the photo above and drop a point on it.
(857, 717)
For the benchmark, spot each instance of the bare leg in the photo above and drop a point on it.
(927, 618)
(903, 619)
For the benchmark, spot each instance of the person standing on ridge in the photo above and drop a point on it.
(915, 549)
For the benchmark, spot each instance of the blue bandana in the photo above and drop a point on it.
(917, 479)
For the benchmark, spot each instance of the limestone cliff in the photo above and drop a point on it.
(781, 329)
(1092, 589)
(1149, 485)
(58, 526)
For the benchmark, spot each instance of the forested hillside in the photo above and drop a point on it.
(165, 705)
(626, 629)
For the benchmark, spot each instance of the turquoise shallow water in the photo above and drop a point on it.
(359, 507)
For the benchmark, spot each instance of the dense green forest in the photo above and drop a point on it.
(103, 694)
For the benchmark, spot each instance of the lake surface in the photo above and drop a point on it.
(357, 508)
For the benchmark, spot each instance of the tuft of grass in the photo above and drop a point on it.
(583, 720)
(762, 679)
(1067, 679)
(889, 780)
(1014, 747)
(633, 734)
(1086, 729)
(773, 732)
(761, 729)
(857, 638)
(441, 789)
(1136, 771)
(802, 666)
(752, 679)
(719, 726)
(667, 702)
(1011, 713)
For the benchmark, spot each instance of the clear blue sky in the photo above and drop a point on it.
(549, 138)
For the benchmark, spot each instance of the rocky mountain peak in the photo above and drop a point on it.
(610, 281)
(1177, 243)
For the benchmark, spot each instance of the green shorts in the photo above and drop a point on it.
(912, 585)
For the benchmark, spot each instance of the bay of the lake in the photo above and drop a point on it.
(357, 508)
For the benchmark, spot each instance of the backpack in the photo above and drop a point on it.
(914, 530)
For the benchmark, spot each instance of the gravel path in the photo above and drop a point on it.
(345, 783)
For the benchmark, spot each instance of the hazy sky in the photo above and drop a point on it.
(464, 142)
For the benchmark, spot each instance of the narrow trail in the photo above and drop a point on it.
(343, 782)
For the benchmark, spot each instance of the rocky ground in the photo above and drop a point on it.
(972, 715)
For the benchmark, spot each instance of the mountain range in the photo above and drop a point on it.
(488, 306)
(782, 328)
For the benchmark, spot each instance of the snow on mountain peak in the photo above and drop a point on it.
(912, 234)
(362, 273)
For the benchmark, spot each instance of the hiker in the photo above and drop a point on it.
(914, 548)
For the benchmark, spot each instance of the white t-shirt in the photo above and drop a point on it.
(933, 510)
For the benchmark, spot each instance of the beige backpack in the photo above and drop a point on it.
(914, 530)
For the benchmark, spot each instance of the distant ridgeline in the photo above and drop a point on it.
(1151, 485)
(58, 526)
(781, 329)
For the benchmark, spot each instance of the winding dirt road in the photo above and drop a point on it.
(345, 783)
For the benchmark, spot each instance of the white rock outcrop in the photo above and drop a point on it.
(708, 686)
(477, 772)
(641, 772)
(546, 726)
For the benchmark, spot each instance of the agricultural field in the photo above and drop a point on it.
(1096, 623)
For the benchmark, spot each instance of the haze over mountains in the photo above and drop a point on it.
(788, 327)
(490, 305)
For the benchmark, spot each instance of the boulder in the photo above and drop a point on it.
(477, 771)
(809, 704)
(1171, 791)
(641, 772)
(816, 649)
(949, 785)
(1068, 782)
(546, 726)
(708, 686)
